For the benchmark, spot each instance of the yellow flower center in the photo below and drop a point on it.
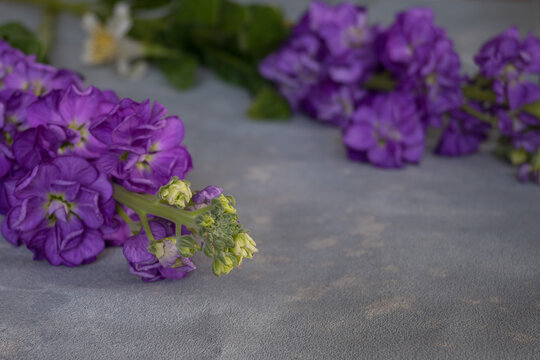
(103, 46)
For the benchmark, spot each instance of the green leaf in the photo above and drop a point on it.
(21, 38)
(181, 73)
(134, 4)
(232, 17)
(264, 32)
(197, 12)
(234, 69)
(147, 30)
(269, 104)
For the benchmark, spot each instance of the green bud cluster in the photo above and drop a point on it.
(187, 246)
(176, 192)
(224, 239)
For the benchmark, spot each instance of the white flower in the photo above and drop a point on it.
(108, 43)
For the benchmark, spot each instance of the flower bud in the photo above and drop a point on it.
(176, 192)
(187, 246)
(165, 250)
(222, 265)
(228, 203)
(244, 246)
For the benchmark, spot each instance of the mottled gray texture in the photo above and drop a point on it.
(439, 261)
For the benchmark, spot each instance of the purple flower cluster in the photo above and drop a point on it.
(512, 66)
(330, 52)
(332, 66)
(62, 147)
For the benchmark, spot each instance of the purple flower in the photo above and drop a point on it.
(463, 134)
(116, 233)
(75, 112)
(39, 78)
(406, 46)
(521, 126)
(15, 104)
(343, 27)
(295, 67)
(516, 127)
(143, 146)
(10, 56)
(441, 82)
(331, 103)
(205, 196)
(527, 173)
(34, 146)
(497, 54)
(520, 93)
(58, 210)
(350, 41)
(145, 264)
(329, 44)
(6, 160)
(387, 132)
(423, 60)
(507, 60)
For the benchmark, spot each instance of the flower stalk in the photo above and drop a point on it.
(208, 215)
(144, 205)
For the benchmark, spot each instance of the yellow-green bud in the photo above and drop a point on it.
(206, 220)
(222, 266)
(226, 204)
(176, 192)
(244, 246)
(518, 156)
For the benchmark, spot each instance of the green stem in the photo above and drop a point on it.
(381, 82)
(46, 30)
(475, 93)
(144, 204)
(157, 51)
(482, 116)
(146, 225)
(120, 211)
(78, 9)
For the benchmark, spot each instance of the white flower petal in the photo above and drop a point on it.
(90, 22)
(122, 66)
(121, 22)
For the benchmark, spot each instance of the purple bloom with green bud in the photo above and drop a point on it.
(79, 170)
(147, 265)
(386, 132)
(58, 210)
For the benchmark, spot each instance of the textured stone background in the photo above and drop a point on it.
(439, 261)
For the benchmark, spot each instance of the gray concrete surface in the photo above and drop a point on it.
(439, 261)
